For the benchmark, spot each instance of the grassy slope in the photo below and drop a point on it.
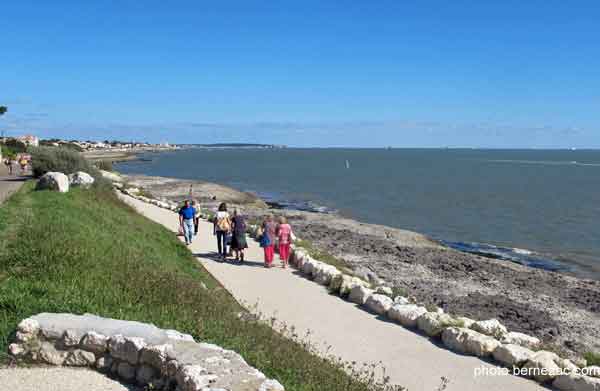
(85, 251)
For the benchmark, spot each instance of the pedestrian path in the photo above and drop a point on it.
(9, 184)
(410, 359)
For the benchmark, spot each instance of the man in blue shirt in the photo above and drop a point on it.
(186, 221)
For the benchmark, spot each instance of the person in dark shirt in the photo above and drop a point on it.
(186, 220)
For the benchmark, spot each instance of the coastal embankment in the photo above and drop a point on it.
(562, 310)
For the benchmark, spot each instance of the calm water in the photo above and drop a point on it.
(535, 207)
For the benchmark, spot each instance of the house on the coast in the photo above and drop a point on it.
(29, 140)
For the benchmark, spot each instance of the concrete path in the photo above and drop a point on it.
(58, 379)
(9, 184)
(410, 359)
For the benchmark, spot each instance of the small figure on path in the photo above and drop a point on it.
(196, 207)
(284, 234)
(268, 239)
(186, 221)
(238, 241)
(8, 165)
(222, 228)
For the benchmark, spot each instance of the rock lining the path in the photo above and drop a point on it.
(135, 352)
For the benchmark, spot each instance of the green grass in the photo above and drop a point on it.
(592, 358)
(86, 251)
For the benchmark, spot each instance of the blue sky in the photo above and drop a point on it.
(305, 73)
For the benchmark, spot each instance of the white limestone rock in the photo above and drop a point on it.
(406, 314)
(512, 355)
(104, 363)
(521, 339)
(156, 355)
(542, 366)
(491, 327)
(359, 294)
(271, 385)
(433, 323)
(95, 342)
(55, 181)
(50, 355)
(466, 322)
(574, 382)
(16, 350)
(80, 358)
(111, 176)
(384, 290)
(379, 304)
(28, 326)
(126, 348)
(592, 371)
(468, 341)
(193, 378)
(349, 283)
(401, 300)
(81, 179)
(71, 338)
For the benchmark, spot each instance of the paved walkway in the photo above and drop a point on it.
(411, 360)
(58, 379)
(8, 184)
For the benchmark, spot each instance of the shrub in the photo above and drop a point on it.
(46, 159)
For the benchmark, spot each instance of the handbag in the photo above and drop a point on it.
(265, 241)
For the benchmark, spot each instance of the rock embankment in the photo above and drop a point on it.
(135, 352)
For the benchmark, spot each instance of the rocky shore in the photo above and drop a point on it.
(563, 311)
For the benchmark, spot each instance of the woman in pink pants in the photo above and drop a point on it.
(269, 229)
(284, 233)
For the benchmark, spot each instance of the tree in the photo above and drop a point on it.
(3, 110)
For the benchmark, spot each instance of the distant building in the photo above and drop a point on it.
(29, 140)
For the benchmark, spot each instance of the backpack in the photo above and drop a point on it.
(223, 224)
(265, 241)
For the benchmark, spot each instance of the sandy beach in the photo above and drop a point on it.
(562, 310)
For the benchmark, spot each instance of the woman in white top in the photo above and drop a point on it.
(222, 228)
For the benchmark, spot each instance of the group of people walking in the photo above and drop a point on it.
(230, 231)
(12, 164)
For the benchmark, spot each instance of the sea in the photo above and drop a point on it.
(539, 208)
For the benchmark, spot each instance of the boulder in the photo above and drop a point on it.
(55, 181)
(491, 327)
(542, 366)
(111, 176)
(193, 378)
(349, 283)
(28, 326)
(401, 300)
(48, 354)
(104, 363)
(406, 314)
(432, 323)
(80, 358)
(379, 304)
(308, 266)
(359, 294)
(126, 348)
(156, 355)
(271, 385)
(512, 355)
(323, 273)
(95, 342)
(384, 290)
(466, 322)
(71, 338)
(463, 340)
(573, 382)
(521, 339)
(592, 371)
(336, 283)
(81, 179)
